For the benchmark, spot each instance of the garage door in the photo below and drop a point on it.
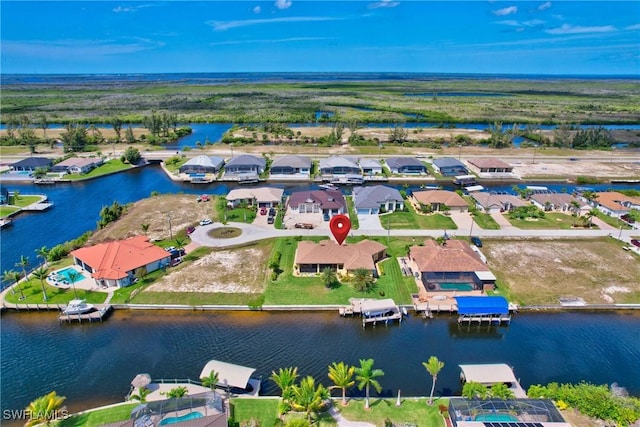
(364, 211)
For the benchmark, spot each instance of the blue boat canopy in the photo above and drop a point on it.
(482, 305)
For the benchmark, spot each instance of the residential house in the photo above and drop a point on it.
(245, 166)
(337, 165)
(448, 166)
(449, 266)
(493, 203)
(615, 204)
(77, 165)
(370, 167)
(30, 164)
(261, 196)
(406, 166)
(376, 199)
(313, 258)
(437, 199)
(114, 264)
(202, 164)
(490, 166)
(291, 166)
(329, 202)
(558, 202)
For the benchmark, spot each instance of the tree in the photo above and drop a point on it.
(176, 392)
(145, 227)
(328, 277)
(501, 391)
(42, 123)
(179, 241)
(12, 276)
(285, 378)
(74, 137)
(41, 274)
(211, 380)
(141, 396)
(472, 390)
(592, 213)
(23, 264)
(307, 397)
(433, 366)
(131, 155)
(116, 123)
(73, 276)
(342, 376)
(366, 377)
(398, 134)
(129, 137)
(44, 409)
(363, 280)
(43, 253)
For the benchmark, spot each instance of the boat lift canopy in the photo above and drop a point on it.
(228, 373)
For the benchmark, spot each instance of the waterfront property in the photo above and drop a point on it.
(313, 258)
(341, 170)
(260, 197)
(291, 167)
(373, 311)
(370, 167)
(615, 204)
(406, 166)
(499, 412)
(494, 203)
(438, 200)
(448, 166)
(376, 199)
(236, 379)
(30, 164)
(490, 374)
(329, 202)
(202, 164)
(559, 202)
(244, 168)
(481, 309)
(114, 264)
(77, 165)
(454, 266)
(490, 167)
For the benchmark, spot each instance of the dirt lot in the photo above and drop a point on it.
(541, 271)
(572, 169)
(237, 271)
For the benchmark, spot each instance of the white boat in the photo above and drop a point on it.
(78, 306)
(328, 187)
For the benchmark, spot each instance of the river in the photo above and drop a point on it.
(94, 364)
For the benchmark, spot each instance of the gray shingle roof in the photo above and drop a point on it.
(292, 161)
(202, 160)
(247, 159)
(448, 162)
(398, 162)
(374, 196)
(337, 161)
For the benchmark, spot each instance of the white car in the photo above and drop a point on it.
(206, 221)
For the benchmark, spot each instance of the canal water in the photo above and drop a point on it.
(94, 364)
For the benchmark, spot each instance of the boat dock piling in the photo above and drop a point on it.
(94, 316)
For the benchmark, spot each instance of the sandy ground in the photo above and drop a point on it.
(572, 169)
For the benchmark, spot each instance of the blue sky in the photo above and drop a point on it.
(496, 37)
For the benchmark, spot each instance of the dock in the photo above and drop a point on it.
(373, 311)
(93, 316)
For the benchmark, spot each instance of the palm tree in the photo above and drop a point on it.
(501, 391)
(575, 208)
(10, 276)
(179, 241)
(211, 380)
(23, 264)
(285, 378)
(141, 396)
(363, 280)
(41, 274)
(472, 390)
(433, 366)
(366, 377)
(307, 397)
(44, 409)
(328, 277)
(43, 253)
(73, 276)
(593, 212)
(145, 227)
(342, 376)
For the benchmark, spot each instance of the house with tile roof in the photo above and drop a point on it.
(449, 266)
(114, 264)
(313, 258)
(331, 202)
(202, 164)
(490, 166)
(78, 165)
(494, 203)
(561, 202)
(372, 200)
(436, 199)
(406, 166)
(615, 204)
(260, 196)
(291, 166)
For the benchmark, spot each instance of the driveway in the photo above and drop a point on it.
(369, 222)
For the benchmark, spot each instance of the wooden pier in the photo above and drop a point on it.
(373, 311)
(94, 316)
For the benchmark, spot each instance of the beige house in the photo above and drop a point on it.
(261, 197)
(490, 166)
(313, 258)
(78, 165)
(436, 199)
(562, 202)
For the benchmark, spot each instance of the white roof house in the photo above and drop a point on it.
(261, 196)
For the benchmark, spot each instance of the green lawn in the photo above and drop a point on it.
(411, 411)
(239, 214)
(614, 222)
(412, 220)
(108, 167)
(432, 171)
(99, 417)
(23, 200)
(353, 216)
(485, 221)
(263, 410)
(32, 290)
(7, 210)
(551, 221)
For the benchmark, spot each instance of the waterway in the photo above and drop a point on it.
(94, 364)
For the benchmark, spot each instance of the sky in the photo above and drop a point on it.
(488, 37)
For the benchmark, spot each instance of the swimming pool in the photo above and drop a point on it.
(64, 275)
(497, 417)
(447, 286)
(175, 420)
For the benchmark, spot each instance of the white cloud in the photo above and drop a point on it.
(544, 6)
(77, 48)
(256, 9)
(528, 24)
(129, 9)
(225, 25)
(570, 29)
(633, 27)
(287, 40)
(506, 11)
(283, 4)
(383, 3)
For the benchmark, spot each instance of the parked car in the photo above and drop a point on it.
(635, 242)
(271, 220)
(272, 211)
(190, 230)
(175, 261)
(263, 211)
(476, 241)
(326, 216)
(303, 225)
(206, 221)
(170, 248)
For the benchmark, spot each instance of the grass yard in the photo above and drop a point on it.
(23, 200)
(412, 220)
(411, 411)
(263, 410)
(32, 291)
(99, 417)
(7, 210)
(111, 166)
(485, 221)
(353, 216)
(614, 222)
(551, 221)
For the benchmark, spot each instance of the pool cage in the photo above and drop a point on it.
(520, 412)
(173, 410)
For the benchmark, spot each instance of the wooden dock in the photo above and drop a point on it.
(373, 311)
(94, 316)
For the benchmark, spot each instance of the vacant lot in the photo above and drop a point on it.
(541, 271)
